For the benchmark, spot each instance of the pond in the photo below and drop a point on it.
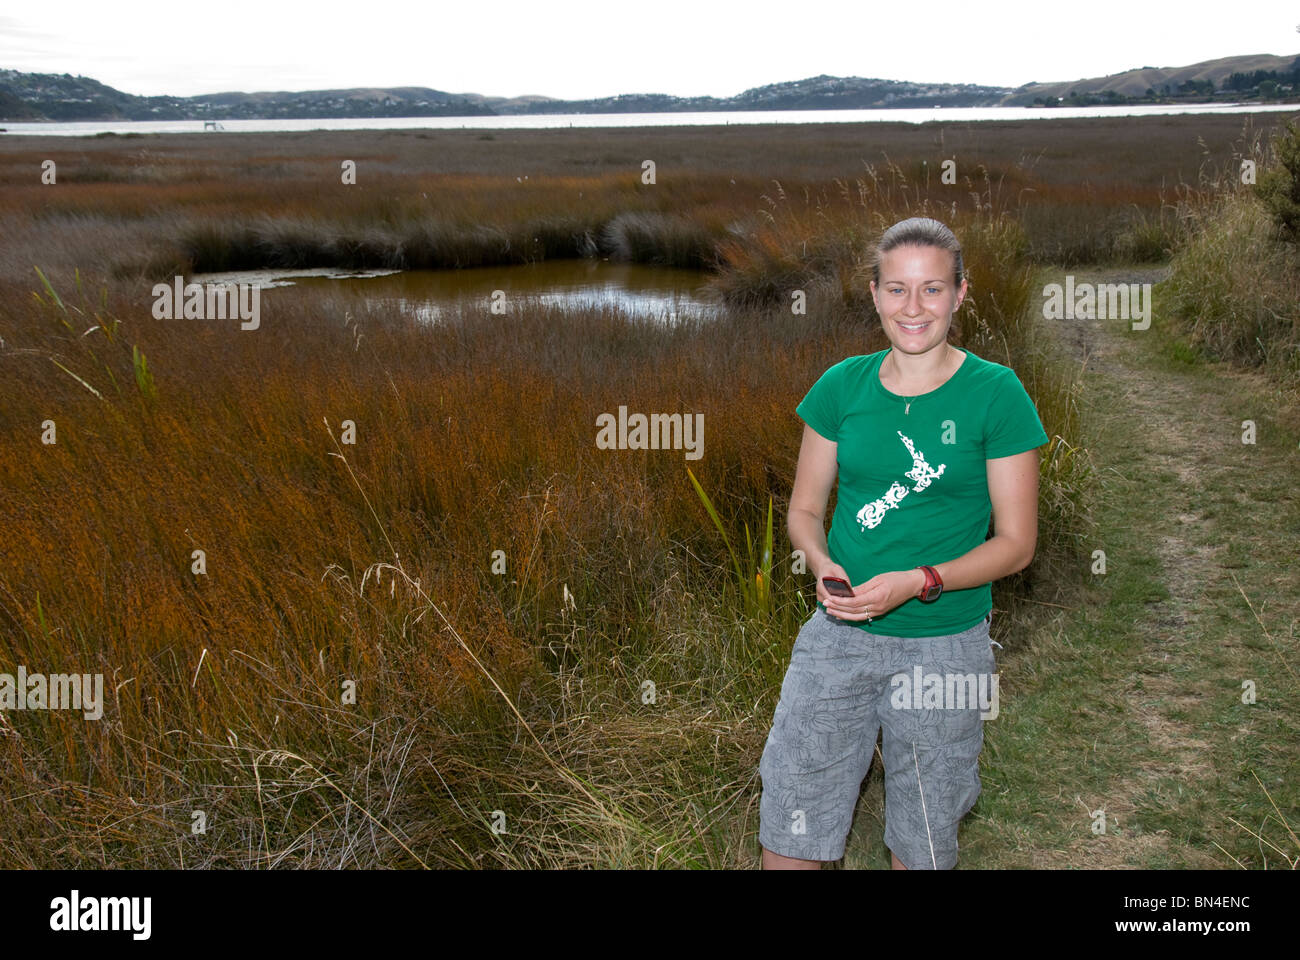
(644, 291)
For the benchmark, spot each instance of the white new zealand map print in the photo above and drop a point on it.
(921, 474)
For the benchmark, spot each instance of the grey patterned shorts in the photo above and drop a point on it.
(843, 685)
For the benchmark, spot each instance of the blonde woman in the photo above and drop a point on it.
(926, 441)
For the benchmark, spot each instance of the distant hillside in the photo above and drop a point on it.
(48, 96)
(1209, 80)
(44, 96)
(814, 93)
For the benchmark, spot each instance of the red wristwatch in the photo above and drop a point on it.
(933, 585)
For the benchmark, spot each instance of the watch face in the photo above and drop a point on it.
(932, 593)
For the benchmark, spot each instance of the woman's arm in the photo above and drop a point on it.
(813, 478)
(1013, 491)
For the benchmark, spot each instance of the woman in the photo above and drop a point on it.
(928, 440)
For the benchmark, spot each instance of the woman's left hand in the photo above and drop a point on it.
(876, 597)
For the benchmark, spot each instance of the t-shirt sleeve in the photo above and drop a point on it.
(1013, 423)
(820, 407)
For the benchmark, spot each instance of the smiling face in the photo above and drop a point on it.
(916, 297)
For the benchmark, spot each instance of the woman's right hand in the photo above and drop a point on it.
(829, 570)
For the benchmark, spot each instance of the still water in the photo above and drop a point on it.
(666, 294)
(549, 120)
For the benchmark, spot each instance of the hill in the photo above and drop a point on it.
(1205, 79)
(48, 96)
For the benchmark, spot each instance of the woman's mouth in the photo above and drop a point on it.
(914, 327)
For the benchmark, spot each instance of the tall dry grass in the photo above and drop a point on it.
(1231, 293)
(1087, 190)
(372, 564)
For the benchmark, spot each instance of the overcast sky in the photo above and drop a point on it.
(583, 49)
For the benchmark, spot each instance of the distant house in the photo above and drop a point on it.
(212, 125)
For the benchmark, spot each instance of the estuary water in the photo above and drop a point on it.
(665, 294)
(720, 118)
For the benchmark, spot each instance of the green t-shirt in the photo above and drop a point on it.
(913, 486)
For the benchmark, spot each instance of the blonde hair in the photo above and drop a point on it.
(917, 232)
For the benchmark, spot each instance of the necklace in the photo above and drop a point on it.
(907, 408)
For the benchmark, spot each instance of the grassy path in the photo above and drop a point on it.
(1126, 697)
(1201, 594)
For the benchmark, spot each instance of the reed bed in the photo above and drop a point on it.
(353, 681)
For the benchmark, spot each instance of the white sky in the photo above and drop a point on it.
(581, 48)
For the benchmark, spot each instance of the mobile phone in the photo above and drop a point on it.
(837, 586)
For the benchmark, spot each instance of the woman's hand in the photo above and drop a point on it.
(829, 570)
(877, 596)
